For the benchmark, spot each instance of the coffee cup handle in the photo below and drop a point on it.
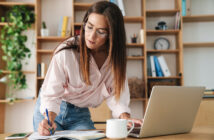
(132, 126)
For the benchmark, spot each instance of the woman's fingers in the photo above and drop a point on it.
(137, 122)
(44, 128)
(129, 124)
(53, 127)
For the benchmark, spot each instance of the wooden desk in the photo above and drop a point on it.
(198, 133)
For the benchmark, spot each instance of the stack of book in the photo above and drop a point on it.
(64, 27)
(209, 93)
(157, 66)
(177, 20)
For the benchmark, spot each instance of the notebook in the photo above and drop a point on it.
(70, 134)
(170, 110)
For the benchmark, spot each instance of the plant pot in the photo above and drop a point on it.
(44, 32)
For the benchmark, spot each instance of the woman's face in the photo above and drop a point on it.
(96, 31)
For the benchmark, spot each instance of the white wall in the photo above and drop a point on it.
(198, 67)
(198, 61)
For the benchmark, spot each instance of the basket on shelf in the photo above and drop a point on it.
(136, 87)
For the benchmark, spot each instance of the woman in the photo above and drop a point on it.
(85, 71)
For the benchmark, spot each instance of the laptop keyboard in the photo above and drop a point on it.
(135, 132)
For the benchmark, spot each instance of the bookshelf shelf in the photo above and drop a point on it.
(45, 51)
(40, 78)
(25, 72)
(171, 77)
(163, 51)
(133, 19)
(51, 38)
(135, 57)
(134, 45)
(81, 6)
(10, 4)
(162, 32)
(199, 44)
(198, 18)
(152, 13)
(77, 24)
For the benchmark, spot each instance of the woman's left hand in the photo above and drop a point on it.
(137, 122)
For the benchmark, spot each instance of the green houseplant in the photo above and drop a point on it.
(19, 19)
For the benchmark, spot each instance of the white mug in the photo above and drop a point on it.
(117, 128)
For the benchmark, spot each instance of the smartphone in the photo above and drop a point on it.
(17, 136)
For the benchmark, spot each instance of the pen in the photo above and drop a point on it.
(48, 121)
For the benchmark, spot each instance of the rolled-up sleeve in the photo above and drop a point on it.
(122, 105)
(53, 87)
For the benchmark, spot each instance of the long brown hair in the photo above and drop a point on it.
(116, 42)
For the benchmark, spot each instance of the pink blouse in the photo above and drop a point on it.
(63, 81)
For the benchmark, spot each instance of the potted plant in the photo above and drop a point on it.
(44, 30)
(19, 19)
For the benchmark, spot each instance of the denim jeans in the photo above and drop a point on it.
(70, 117)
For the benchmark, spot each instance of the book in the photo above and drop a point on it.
(121, 6)
(183, 7)
(70, 134)
(149, 69)
(177, 20)
(164, 66)
(60, 26)
(141, 36)
(39, 70)
(69, 27)
(208, 96)
(159, 72)
(152, 66)
(43, 69)
(209, 91)
(176, 15)
(64, 26)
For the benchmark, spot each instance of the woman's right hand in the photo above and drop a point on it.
(44, 128)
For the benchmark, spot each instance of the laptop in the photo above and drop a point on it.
(170, 110)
